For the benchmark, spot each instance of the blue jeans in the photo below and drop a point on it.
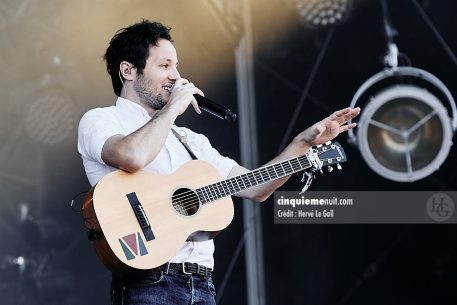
(163, 289)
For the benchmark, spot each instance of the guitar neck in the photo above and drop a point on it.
(253, 178)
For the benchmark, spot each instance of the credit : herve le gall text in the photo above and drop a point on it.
(305, 214)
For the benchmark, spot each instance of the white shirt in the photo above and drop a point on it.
(99, 124)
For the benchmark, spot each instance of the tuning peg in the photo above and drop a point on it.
(330, 169)
(320, 171)
(319, 145)
(338, 166)
(328, 142)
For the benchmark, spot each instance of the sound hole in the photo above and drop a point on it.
(185, 201)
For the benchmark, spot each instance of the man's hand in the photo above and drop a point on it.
(329, 128)
(182, 95)
(319, 133)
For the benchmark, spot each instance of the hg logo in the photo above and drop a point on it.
(440, 207)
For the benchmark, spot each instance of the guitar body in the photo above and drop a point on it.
(124, 243)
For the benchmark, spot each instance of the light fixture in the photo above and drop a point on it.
(405, 132)
(51, 116)
(322, 13)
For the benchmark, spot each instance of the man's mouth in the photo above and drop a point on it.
(167, 88)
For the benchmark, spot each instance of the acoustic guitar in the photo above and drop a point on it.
(139, 221)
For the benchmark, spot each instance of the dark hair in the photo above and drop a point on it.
(131, 44)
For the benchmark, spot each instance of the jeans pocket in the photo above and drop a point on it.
(148, 281)
(211, 287)
(145, 290)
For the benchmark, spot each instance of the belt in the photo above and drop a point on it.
(188, 268)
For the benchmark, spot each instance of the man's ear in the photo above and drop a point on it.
(127, 70)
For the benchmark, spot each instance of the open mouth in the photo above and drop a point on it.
(167, 88)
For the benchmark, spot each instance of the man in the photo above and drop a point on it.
(138, 134)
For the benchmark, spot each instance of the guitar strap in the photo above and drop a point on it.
(184, 143)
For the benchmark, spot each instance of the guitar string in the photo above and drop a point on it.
(194, 203)
(253, 178)
(270, 170)
(187, 199)
(215, 191)
(191, 203)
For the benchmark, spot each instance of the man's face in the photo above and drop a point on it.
(154, 85)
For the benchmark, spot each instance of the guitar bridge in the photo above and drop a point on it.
(141, 216)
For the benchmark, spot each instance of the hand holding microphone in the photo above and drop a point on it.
(203, 102)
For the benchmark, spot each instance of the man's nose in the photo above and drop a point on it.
(174, 75)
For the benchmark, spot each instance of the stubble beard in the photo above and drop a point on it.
(147, 95)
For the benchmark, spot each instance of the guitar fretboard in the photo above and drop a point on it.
(253, 178)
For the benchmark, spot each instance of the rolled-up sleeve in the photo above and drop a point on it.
(95, 127)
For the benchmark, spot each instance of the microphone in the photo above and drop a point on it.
(214, 108)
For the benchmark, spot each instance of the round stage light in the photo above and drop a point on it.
(51, 116)
(322, 13)
(404, 133)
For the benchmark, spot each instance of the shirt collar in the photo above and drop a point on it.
(132, 107)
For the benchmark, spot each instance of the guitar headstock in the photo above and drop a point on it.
(329, 154)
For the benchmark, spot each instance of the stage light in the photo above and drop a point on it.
(51, 116)
(322, 13)
(405, 132)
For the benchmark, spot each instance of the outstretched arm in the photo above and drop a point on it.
(319, 133)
